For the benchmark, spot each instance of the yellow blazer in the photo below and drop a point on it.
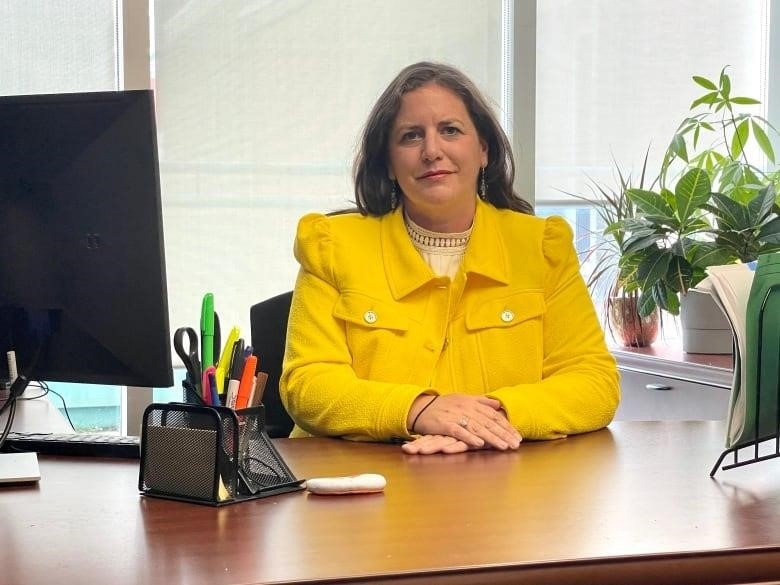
(372, 327)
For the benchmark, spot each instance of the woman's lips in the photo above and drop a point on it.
(435, 174)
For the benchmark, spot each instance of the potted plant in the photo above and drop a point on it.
(610, 281)
(721, 209)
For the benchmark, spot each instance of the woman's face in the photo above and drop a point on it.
(435, 155)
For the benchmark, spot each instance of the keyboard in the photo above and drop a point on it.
(86, 444)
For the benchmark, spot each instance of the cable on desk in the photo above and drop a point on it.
(47, 390)
(9, 421)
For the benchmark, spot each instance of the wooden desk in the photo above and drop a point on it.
(630, 504)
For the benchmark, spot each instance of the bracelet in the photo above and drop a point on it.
(414, 422)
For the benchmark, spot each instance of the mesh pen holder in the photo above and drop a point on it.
(210, 455)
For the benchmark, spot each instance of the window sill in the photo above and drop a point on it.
(669, 360)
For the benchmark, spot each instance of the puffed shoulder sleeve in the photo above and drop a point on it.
(313, 247)
(558, 237)
(559, 253)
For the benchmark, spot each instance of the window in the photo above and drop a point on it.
(259, 108)
(50, 46)
(260, 103)
(614, 80)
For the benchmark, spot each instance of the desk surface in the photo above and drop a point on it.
(632, 503)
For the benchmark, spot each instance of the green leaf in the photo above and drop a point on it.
(761, 205)
(721, 159)
(697, 224)
(641, 242)
(770, 232)
(704, 82)
(646, 304)
(707, 98)
(653, 267)
(649, 202)
(733, 243)
(679, 274)
(705, 254)
(750, 178)
(744, 101)
(739, 139)
(763, 141)
(666, 298)
(732, 214)
(725, 83)
(663, 223)
(678, 147)
(691, 193)
(731, 173)
(635, 224)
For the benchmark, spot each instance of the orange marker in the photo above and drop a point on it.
(245, 387)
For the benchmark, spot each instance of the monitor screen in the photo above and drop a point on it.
(83, 294)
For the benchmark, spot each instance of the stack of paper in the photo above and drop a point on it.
(730, 286)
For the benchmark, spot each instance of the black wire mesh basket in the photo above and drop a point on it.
(210, 455)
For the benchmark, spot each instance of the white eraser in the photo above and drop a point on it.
(365, 483)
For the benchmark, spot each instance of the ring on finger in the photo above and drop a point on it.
(464, 422)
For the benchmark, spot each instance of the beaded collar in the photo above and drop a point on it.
(428, 239)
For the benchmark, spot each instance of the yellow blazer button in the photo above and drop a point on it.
(507, 316)
(369, 317)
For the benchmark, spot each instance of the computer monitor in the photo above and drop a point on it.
(83, 294)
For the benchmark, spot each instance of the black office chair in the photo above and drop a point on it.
(268, 320)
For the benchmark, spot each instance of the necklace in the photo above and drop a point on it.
(429, 239)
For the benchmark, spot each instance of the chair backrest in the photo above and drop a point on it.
(268, 320)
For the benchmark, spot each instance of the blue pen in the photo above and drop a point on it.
(213, 385)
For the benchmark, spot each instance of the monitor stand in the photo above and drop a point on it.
(37, 415)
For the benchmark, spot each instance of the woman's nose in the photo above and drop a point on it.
(431, 148)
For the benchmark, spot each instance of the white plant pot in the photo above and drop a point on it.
(705, 328)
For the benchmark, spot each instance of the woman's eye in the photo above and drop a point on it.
(410, 136)
(450, 130)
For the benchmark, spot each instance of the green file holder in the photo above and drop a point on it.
(210, 455)
(762, 368)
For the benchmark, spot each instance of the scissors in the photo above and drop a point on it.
(188, 354)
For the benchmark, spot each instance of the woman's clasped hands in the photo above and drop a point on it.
(454, 423)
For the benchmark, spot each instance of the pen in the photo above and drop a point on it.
(211, 373)
(236, 370)
(257, 392)
(207, 330)
(252, 392)
(205, 388)
(217, 338)
(245, 387)
(223, 361)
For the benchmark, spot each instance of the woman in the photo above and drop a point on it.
(441, 312)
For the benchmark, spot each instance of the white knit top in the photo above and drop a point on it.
(442, 252)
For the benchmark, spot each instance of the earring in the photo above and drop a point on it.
(482, 186)
(393, 197)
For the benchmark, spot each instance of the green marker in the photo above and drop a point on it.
(207, 331)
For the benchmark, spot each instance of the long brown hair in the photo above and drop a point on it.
(373, 187)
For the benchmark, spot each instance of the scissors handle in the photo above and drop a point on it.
(188, 352)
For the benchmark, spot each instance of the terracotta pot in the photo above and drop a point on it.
(627, 327)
